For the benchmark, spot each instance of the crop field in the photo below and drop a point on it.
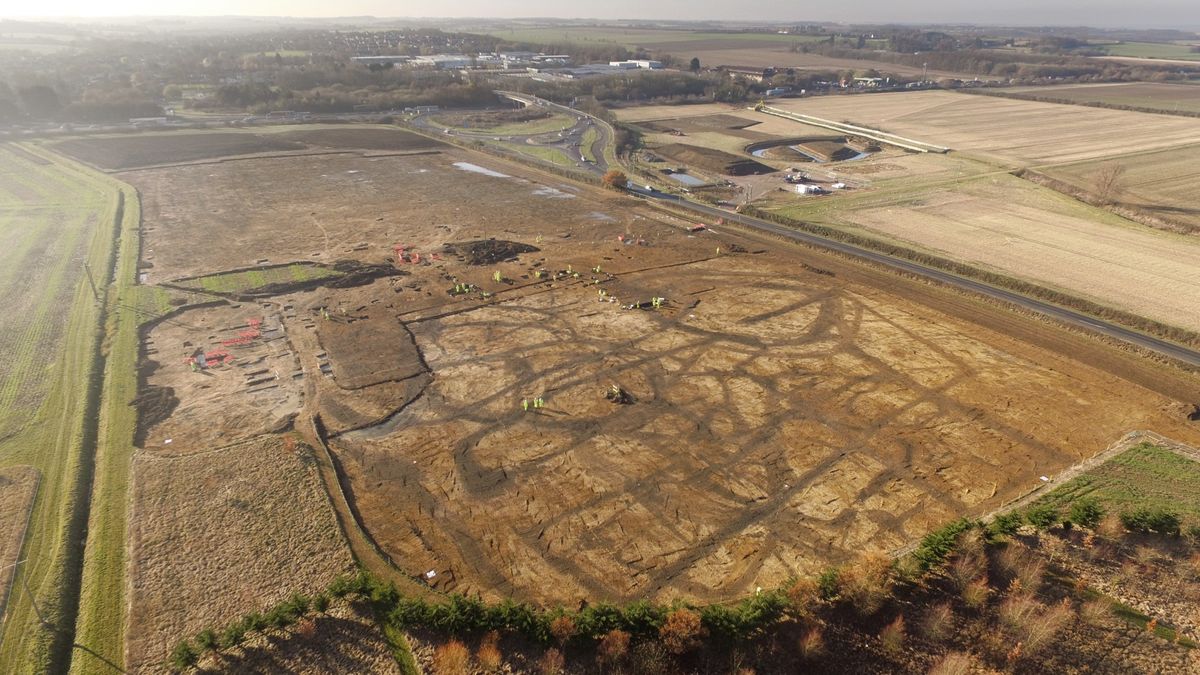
(1158, 95)
(1153, 50)
(53, 218)
(47, 219)
(877, 418)
(219, 533)
(1005, 223)
(1008, 131)
(1145, 476)
(1165, 183)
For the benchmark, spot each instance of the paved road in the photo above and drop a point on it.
(1067, 316)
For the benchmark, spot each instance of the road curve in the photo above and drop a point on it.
(1061, 314)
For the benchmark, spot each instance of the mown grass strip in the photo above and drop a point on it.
(100, 621)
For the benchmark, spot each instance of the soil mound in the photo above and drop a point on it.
(488, 251)
(715, 161)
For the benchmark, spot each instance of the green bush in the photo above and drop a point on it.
(721, 623)
(939, 544)
(233, 635)
(183, 656)
(1005, 524)
(321, 602)
(643, 620)
(597, 620)
(206, 639)
(828, 584)
(1042, 516)
(254, 621)
(460, 615)
(1158, 520)
(1087, 512)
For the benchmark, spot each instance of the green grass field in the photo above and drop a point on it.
(1169, 98)
(100, 621)
(1153, 50)
(53, 216)
(248, 281)
(585, 144)
(1143, 476)
(540, 152)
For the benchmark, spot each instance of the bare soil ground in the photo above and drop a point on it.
(715, 161)
(1048, 238)
(248, 388)
(18, 486)
(217, 534)
(1007, 130)
(115, 153)
(784, 417)
(123, 152)
(363, 138)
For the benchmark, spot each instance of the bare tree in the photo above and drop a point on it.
(1106, 182)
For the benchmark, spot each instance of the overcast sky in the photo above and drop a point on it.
(1105, 13)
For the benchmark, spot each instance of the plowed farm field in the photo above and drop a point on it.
(1009, 131)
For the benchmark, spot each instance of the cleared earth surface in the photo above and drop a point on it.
(784, 410)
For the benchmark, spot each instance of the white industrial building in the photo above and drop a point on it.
(643, 64)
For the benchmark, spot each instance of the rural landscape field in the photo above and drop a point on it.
(535, 347)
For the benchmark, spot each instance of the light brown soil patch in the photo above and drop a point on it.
(215, 535)
(785, 421)
(256, 391)
(369, 346)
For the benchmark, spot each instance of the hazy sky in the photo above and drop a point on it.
(1107, 13)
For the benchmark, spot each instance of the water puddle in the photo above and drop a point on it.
(553, 193)
(475, 168)
(686, 179)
